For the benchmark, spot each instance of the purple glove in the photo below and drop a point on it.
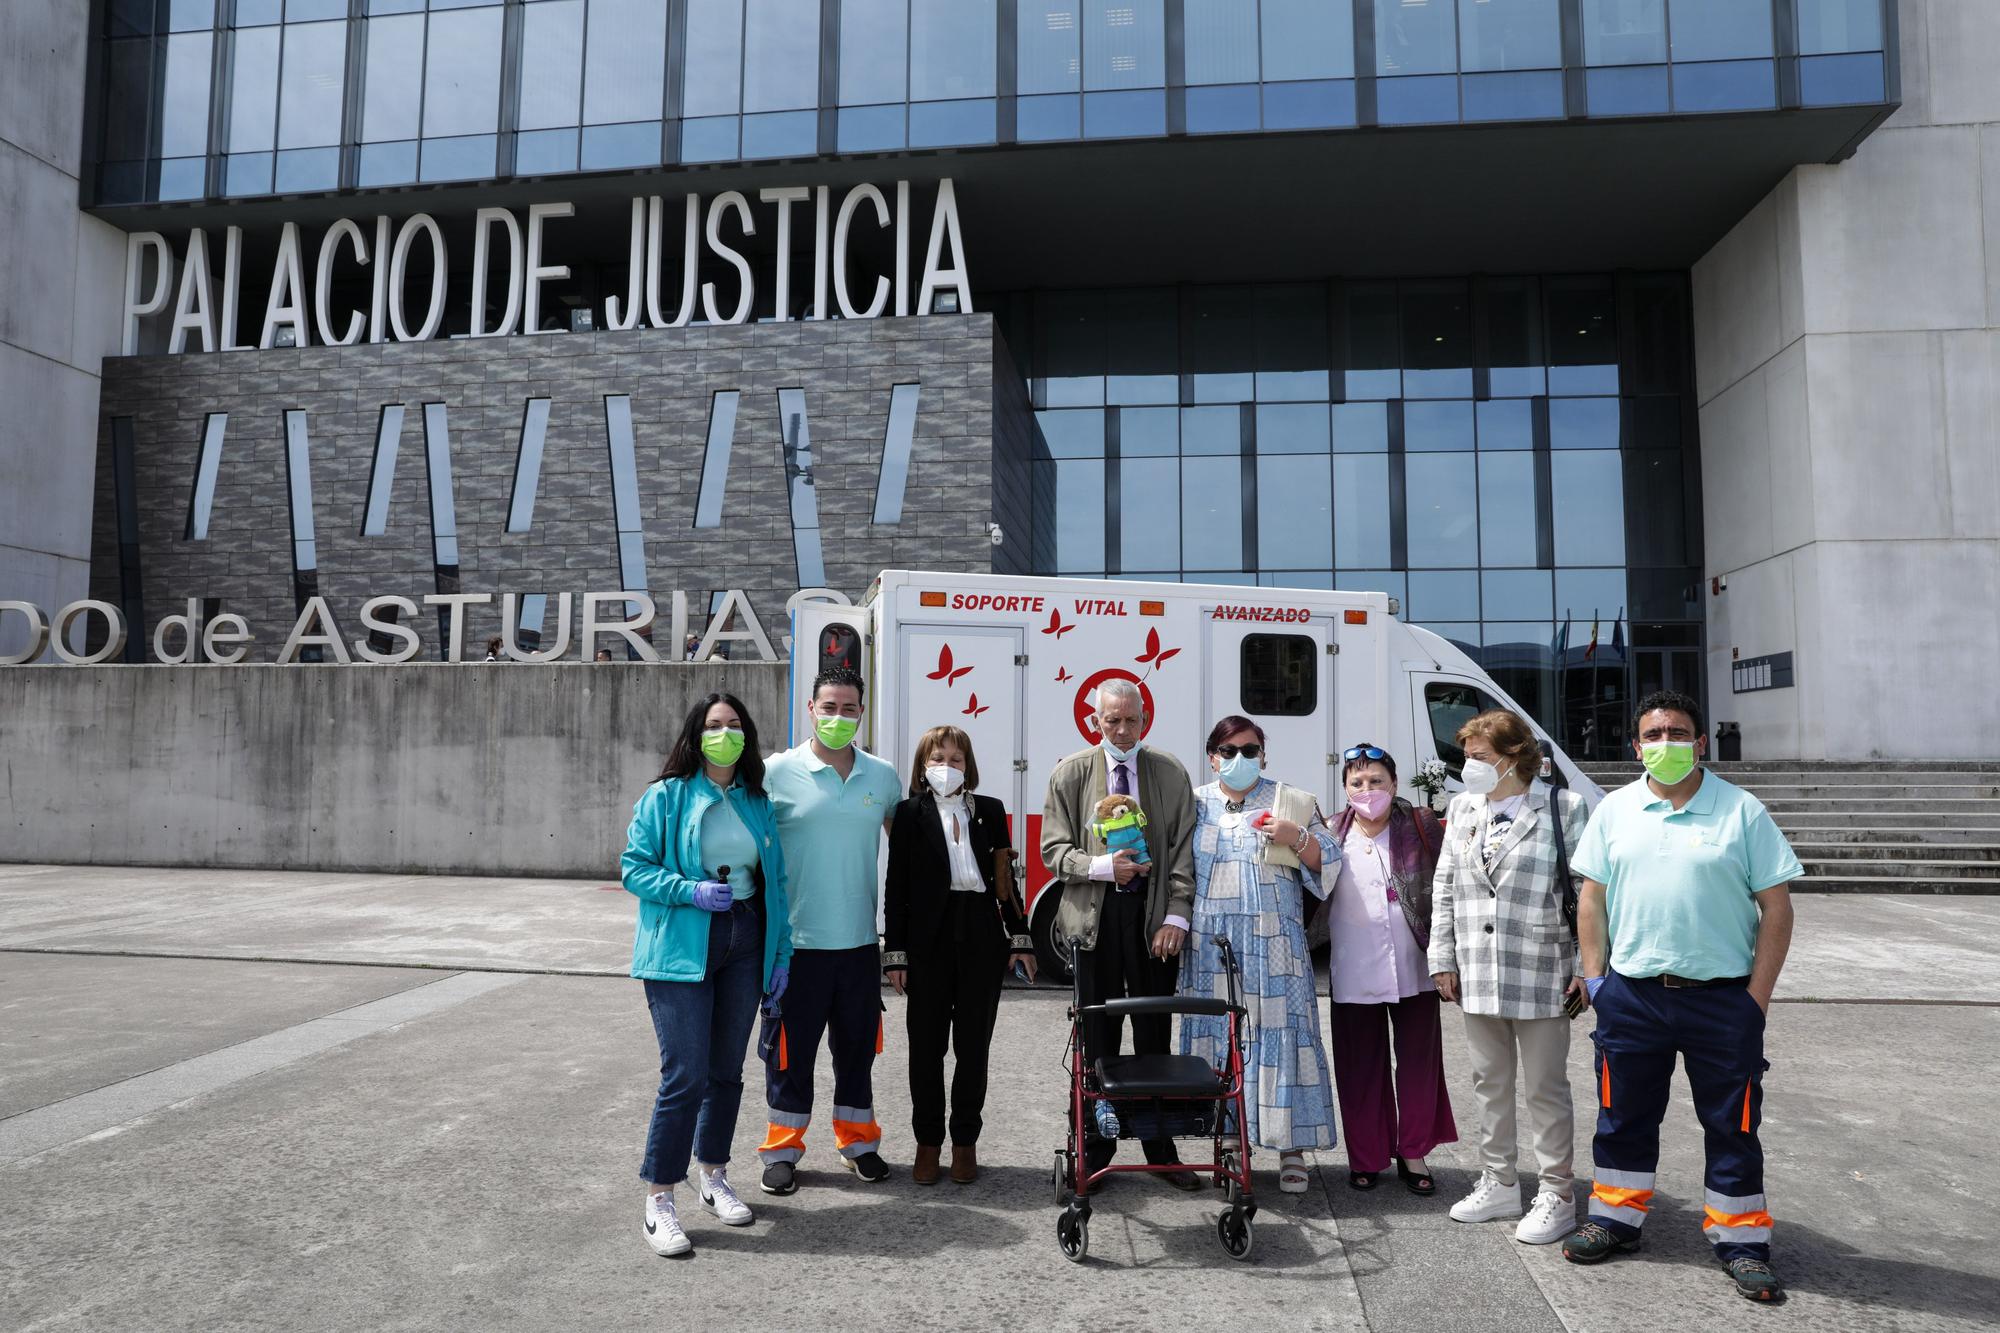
(712, 895)
(781, 977)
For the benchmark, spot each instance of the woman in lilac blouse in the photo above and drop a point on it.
(1378, 920)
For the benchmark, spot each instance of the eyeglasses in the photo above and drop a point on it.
(1250, 751)
(1363, 752)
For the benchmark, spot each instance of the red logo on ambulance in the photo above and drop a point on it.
(1086, 701)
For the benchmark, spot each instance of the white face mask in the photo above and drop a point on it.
(1480, 777)
(944, 779)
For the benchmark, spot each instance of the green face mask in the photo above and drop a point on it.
(1668, 761)
(835, 733)
(722, 747)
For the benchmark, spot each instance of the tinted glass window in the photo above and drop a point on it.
(1294, 513)
(1361, 512)
(253, 92)
(1451, 706)
(713, 81)
(1308, 39)
(1149, 535)
(462, 73)
(1212, 513)
(1124, 44)
(874, 51)
(184, 97)
(952, 49)
(1221, 41)
(394, 83)
(1839, 25)
(315, 72)
(1415, 37)
(1051, 45)
(781, 55)
(1624, 32)
(553, 31)
(623, 70)
(1721, 29)
(1509, 34)
(1280, 675)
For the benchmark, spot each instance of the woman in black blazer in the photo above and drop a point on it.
(947, 935)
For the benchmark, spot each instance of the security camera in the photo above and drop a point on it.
(994, 534)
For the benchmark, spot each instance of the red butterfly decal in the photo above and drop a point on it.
(945, 671)
(1055, 625)
(973, 708)
(1153, 653)
(1062, 674)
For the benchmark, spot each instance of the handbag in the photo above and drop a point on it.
(1565, 881)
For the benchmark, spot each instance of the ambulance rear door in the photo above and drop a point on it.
(969, 676)
(1275, 666)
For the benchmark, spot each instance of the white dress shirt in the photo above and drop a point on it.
(955, 816)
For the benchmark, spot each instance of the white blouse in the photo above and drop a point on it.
(955, 814)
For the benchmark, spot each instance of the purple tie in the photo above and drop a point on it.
(1121, 783)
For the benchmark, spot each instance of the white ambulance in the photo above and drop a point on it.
(1017, 663)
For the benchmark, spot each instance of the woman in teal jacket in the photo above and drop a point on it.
(703, 859)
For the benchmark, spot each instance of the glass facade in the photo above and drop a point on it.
(239, 98)
(1512, 459)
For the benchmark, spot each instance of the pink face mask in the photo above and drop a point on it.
(1370, 804)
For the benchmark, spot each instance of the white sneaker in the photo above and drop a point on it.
(1489, 1201)
(1549, 1219)
(663, 1227)
(720, 1199)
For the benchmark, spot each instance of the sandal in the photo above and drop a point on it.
(1292, 1175)
(1419, 1182)
(1361, 1180)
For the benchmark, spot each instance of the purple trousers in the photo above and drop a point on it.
(1383, 1114)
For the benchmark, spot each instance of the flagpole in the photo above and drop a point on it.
(1596, 701)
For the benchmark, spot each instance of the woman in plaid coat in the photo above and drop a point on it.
(1503, 947)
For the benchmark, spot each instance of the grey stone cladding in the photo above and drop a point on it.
(970, 398)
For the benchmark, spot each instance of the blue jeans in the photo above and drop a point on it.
(704, 1029)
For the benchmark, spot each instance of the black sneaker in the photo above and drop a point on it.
(869, 1166)
(1593, 1244)
(779, 1178)
(1754, 1280)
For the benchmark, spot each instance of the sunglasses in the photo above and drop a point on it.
(1250, 751)
(1363, 752)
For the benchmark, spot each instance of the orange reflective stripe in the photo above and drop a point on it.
(784, 1136)
(878, 1036)
(1717, 1218)
(847, 1132)
(784, 1056)
(1604, 1082)
(1622, 1198)
(1748, 1083)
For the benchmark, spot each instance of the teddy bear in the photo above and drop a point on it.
(1122, 825)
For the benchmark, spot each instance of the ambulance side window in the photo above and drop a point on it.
(1451, 706)
(839, 646)
(1280, 675)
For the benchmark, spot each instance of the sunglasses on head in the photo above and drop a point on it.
(1250, 751)
(1363, 752)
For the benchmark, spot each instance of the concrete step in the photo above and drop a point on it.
(1848, 805)
(1630, 769)
(1895, 884)
(1823, 868)
(1816, 849)
(1799, 820)
(1899, 835)
(1871, 791)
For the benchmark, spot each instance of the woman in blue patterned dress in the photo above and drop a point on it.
(1259, 908)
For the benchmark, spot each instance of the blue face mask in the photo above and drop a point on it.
(1119, 756)
(1240, 773)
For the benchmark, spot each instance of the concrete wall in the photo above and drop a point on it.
(1847, 345)
(502, 770)
(847, 370)
(60, 273)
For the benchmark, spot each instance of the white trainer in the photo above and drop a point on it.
(1549, 1219)
(720, 1199)
(1488, 1202)
(663, 1226)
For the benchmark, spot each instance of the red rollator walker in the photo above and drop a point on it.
(1157, 1096)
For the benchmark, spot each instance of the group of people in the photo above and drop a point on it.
(1666, 911)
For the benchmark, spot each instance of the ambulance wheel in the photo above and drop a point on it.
(1073, 1235)
(1051, 960)
(1233, 1228)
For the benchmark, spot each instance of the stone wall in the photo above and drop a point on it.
(847, 370)
(1847, 340)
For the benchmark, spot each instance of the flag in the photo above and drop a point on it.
(1618, 634)
(1591, 651)
(1561, 645)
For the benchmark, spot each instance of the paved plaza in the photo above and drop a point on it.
(246, 1099)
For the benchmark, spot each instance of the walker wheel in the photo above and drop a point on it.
(1233, 1228)
(1073, 1235)
(1060, 1177)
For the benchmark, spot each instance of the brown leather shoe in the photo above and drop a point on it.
(964, 1163)
(925, 1169)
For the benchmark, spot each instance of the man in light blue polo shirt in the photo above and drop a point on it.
(1684, 923)
(832, 800)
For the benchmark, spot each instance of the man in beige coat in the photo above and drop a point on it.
(1128, 920)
